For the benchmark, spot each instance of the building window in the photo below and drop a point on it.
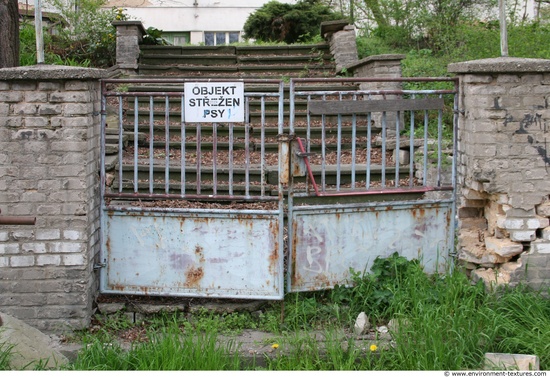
(217, 38)
(177, 39)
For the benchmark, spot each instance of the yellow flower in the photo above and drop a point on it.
(373, 347)
(275, 346)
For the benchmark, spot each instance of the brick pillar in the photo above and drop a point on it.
(49, 164)
(129, 35)
(342, 41)
(504, 169)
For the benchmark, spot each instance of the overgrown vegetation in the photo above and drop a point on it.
(289, 23)
(86, 38)
(440, 322)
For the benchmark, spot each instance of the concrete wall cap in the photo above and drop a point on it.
(375, 58)
(138, 24)
(501, 65)
(52, 72)
(333, 26)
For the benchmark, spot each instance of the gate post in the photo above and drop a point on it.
(503, 170)
(129, 35)
(49, 164)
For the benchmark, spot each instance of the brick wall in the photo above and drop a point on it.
(49, 164)
(504, 170)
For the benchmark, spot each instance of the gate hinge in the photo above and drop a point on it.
(98, 266)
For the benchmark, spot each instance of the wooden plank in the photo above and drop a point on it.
(368, 106)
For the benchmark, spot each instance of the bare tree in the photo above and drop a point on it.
(9, 33)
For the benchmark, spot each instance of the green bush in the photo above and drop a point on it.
(289, 23)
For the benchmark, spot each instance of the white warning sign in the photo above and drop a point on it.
(214, 102)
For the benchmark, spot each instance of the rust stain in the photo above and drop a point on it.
(193, 276)
(199, 251)
(108, 244)
(274, 255)
(118, 287)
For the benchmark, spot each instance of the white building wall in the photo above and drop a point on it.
(193, 16)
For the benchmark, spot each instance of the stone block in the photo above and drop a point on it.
(545, 234)
(468, 256)
(22, 261)
(537, 222)
(503, 247)
(522, 235)
(519, 212)
(470, 194)
(543, 209)
(541, 247)
(508, 361)
(490, 277)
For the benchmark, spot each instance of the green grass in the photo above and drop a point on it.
(439, 322)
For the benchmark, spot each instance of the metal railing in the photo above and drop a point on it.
(168, 158)
(395, 138)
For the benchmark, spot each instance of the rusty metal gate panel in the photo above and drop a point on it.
(214, 254)
(329, 241)
(373, 173)
(191, 209)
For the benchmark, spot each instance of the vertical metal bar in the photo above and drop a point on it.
(39, 32)
(353, 142)
(214, 158)
(291, 108)
(262, 147)
(136, 125)
(281, 208)
(231, 126)
(308, 138)
(439, 143)
(182, 148)
(503, 28)
(167, 145)
(198, 150)
(369, 149)
(455, 130)
(102, 146)
(384, 124)
(396, 151)
(247, 147)
(339, 153)
(411, 151)
(151, 142)
(425, 167)
(102, 179)
(120, 142)
(323, 150)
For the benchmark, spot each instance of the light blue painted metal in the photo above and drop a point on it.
(411, 216)
(328, 241)
(202, 253)
(184, 250)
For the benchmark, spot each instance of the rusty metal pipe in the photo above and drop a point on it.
(17, 220)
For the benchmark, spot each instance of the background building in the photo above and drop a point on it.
(209, 22)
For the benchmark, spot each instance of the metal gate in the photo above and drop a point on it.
(378, 161)
(362, 168)
(191, 209)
